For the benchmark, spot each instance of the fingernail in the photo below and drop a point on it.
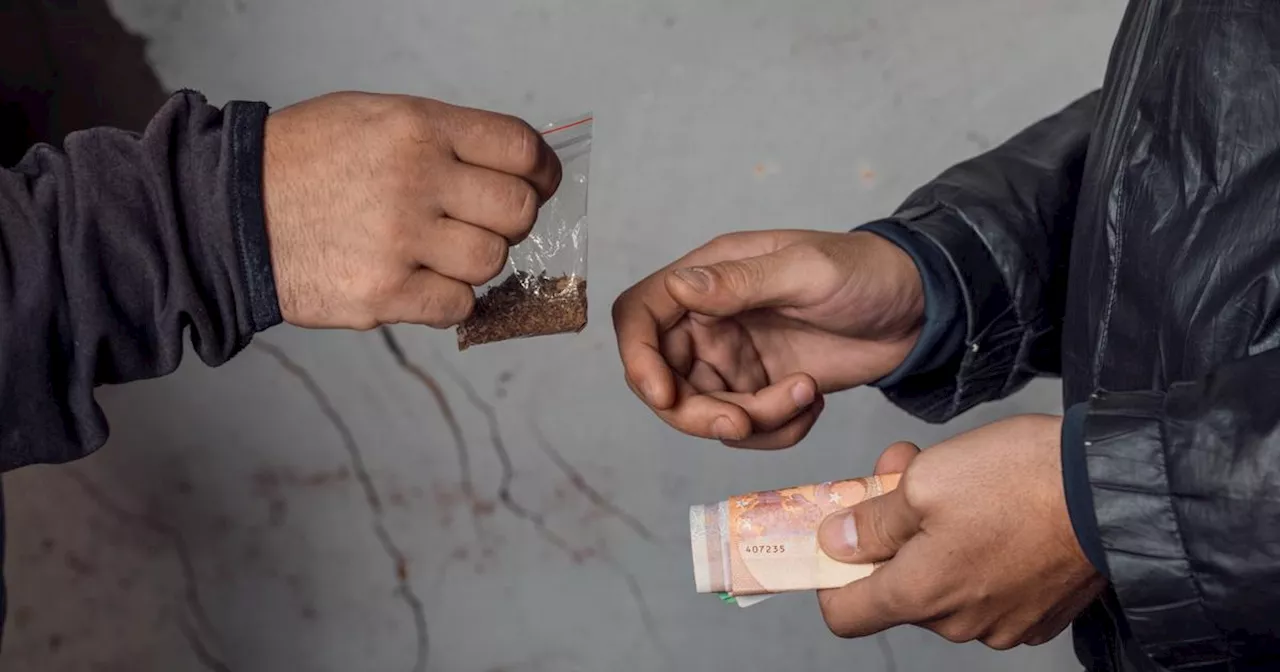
(722, 428)
(838, 536)
(850, 529)
(697, 278)
(802, 394)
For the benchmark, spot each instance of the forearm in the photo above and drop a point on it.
(109, 250)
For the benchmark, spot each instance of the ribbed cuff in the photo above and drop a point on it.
(942, 335)
(1079, 492)
(248, 214)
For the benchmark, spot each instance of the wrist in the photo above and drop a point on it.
(904, 317)
(932, 309)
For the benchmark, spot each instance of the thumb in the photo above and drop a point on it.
(736, 286)
(872, 531)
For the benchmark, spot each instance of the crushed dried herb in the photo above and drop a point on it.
(526, 305)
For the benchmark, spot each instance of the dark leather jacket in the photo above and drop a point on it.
(1131, 245)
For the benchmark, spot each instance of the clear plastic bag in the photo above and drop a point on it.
(544, 290)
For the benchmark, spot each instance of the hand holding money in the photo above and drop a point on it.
(767, 542)
(975, 542)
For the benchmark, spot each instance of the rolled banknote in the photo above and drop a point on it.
(762, 543)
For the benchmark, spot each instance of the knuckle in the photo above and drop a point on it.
(448, 306)
(811, 254)
(1001, 641)
(957, 632)
(1037, 640)
(489, 256)
(873, 519)
(525, 202)
(456, 304)
(821, 261)
(464, 305)
(726, 241)
(737, 275)
(526, 147)
(401, 119)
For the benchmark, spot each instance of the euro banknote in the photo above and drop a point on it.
(749, 547)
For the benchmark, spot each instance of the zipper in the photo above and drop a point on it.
(1144, 20)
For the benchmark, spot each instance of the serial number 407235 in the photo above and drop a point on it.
(765, 549)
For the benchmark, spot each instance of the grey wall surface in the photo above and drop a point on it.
(309, 506)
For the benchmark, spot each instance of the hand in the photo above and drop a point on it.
(977, 538)
(384, 209)
(738, 340)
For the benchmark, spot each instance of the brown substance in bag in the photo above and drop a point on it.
(526, 305)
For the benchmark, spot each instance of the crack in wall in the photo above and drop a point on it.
(642, 607)
(355, 453)
(580, 483)
(490, 412)
(466, 480)
(534, 518)
(194, 611)
(890, 660)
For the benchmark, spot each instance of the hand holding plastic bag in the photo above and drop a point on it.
(544, 291)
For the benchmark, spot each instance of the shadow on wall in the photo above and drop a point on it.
(66, 65)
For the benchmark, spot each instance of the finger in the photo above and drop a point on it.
(782, 278)
(895, 458)
(871, 531)
(677, 348)
(727, 348)
(506, 144)
(777, 404)
(460, 251)
(501, 203)
(636, 325)
(641, 313)
(786, 436)
(1002, 638)
(705, 416)
(704, 378)
(430, 299)
(864, 607)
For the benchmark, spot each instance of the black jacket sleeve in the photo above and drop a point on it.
(1003, 222)
(109, 250)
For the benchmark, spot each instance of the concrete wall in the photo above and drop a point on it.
(309, 506)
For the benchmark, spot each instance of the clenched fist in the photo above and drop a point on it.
(384, 209)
